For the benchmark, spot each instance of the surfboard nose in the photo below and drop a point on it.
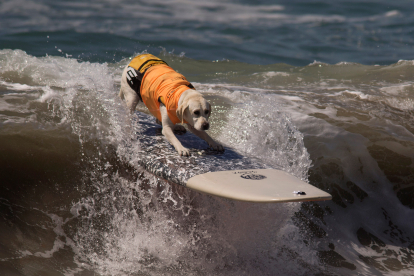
(257, 185)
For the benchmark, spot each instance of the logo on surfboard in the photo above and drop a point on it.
(253, 176)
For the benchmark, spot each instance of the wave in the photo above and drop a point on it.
(346, 128)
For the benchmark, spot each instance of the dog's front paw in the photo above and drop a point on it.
(182, 151)
(216, 146)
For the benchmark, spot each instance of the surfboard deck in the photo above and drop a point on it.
(228, 174)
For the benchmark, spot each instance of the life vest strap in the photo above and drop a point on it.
(150, 62)
(134, 79)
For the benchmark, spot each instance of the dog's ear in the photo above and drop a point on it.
(180, 111)
(209, 110)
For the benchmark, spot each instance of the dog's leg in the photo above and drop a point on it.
(131, 100)
(121, 93)
(203, 135)
(179, 129)
(167, 131)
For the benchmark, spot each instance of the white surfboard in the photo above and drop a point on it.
(262, 185)
(229, 174)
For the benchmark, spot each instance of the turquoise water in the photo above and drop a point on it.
(322, 89)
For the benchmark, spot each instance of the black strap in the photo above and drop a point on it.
(142, 65)
(134, 79)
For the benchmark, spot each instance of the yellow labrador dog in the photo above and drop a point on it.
(169, 97)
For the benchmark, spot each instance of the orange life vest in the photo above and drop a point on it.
(158, 82)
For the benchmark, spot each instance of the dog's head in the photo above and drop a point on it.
(195, 110)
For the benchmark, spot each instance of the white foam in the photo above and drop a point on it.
(405, 62)
(393, 13)
(397, 89)
(317, 63)
(257, 127)
(181, 231)
(274, 74)
(18, 86)
(358, 94)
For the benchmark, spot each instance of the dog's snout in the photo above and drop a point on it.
(206, 126)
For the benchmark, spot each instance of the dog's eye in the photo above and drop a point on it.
(206, 112)
(197, 112)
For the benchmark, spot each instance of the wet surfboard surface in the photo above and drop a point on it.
(228, 174)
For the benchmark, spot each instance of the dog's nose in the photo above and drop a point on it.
(206, 126)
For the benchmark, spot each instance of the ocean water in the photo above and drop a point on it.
(323, 89)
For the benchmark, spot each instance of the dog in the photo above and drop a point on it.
(169, 97)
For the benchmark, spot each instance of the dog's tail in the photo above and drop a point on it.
(121, 94)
